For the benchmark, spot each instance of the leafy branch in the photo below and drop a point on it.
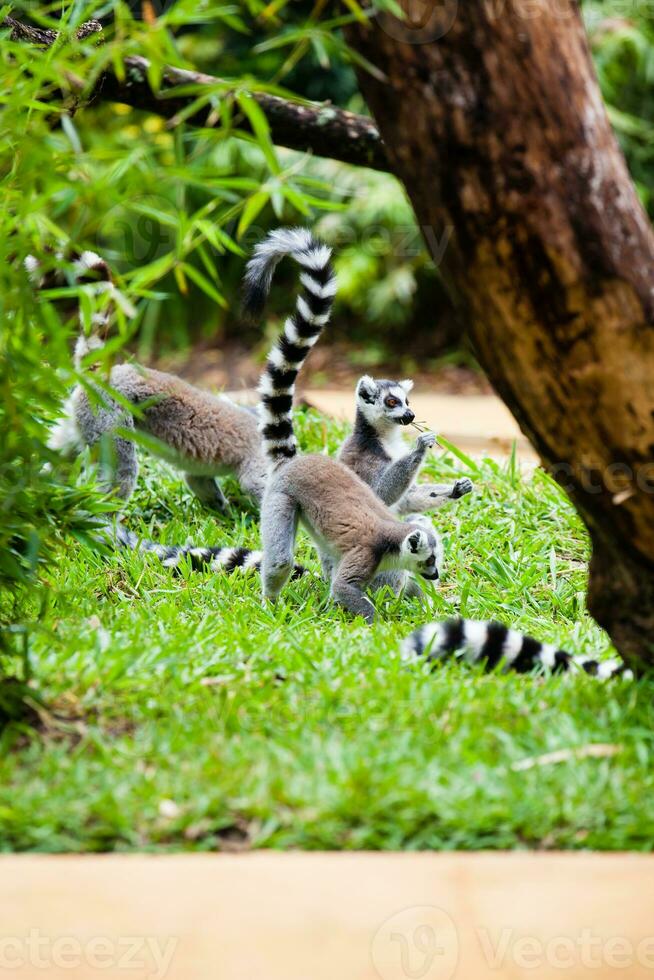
(196, 98)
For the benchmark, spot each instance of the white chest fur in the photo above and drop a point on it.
(394, 443)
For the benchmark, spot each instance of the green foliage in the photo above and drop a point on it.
(622, 39)
(296, 726)
(164, 206)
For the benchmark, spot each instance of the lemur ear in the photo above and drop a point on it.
(406, 385)
(366, 388)
(414, 540)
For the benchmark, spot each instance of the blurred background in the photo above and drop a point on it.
(175, 209)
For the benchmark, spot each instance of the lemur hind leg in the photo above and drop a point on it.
(432, 496)
(279, 520)
(208, 491)
(348, 584)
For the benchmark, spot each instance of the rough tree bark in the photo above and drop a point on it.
(497, 129)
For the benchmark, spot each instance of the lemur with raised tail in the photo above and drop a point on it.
(497, 646)
(377, 453)
(205, 436)
(357, 536)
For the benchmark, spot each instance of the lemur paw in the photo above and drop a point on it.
(461, 487)
(426, 441)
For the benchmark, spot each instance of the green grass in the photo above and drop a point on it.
(182, 714)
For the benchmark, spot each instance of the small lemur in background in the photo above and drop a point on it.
(357, 536)
(496, 645)
(377, 453)
(205, 436)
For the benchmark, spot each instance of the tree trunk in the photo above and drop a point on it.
(492, 118)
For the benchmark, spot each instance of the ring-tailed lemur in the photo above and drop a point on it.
(205, 436)
(357, 536)
(377, 453)
(214, 559)
(496, 645)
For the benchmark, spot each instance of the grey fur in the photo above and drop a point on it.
(423, 497)
(357, 536)
(206, 436)
(376, 452)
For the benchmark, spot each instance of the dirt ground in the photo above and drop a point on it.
(336, 367)
(452, 400)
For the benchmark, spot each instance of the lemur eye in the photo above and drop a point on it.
(392, 402)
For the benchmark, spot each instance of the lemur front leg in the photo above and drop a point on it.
(412, 590)
(208, 491)
(398, 476)
(388, 580)
(400, 583)
(120, 473)
(327, 565)
(279, 520)
(348, 584)
(432, 496)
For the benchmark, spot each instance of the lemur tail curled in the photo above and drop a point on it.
(496, 645)
(300, 333)
(212, 559)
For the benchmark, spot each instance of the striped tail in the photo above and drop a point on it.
(496, 645)
(211, 559)
(301, 330)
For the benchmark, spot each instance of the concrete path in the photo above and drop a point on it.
(271, 916)
(478, 424)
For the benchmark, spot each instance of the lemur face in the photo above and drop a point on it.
(384, 403)
(422, 550)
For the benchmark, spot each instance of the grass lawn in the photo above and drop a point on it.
(185, 715)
